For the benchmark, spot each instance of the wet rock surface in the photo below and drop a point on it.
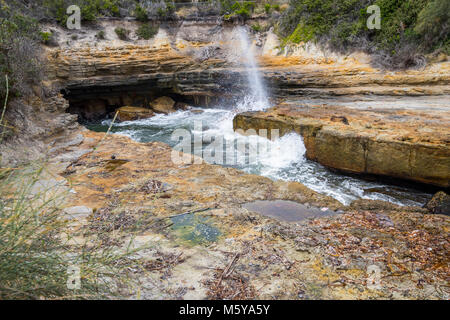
(203, 243)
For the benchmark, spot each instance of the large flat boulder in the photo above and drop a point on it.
(134, 113)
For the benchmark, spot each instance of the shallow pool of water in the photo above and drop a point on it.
(193, 229)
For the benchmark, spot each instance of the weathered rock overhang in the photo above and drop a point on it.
(94, 98)
(360, 153)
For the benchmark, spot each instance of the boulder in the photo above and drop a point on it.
(439, 204)
(181, 106)
(163, 105)
(134, 113)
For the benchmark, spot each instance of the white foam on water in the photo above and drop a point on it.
(282, 153)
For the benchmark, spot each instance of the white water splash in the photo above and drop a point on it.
(257, 98)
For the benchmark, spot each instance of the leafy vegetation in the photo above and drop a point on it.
(100, 35)
(90, 9)
(147, 31)
(166, 11)
(237, 9)
(256, 27)
(46, 36)
(151, 10)
(434, 26)
(122, 33)
(19, 49)
(140, 14)
(408, 28)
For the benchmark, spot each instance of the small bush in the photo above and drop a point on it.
(433, 23)
(256, 27)
(147, 31)
(20, 50)
(45, 37)
(140, 14)
(166, 11)
(90, 9)
(122, 33)
(237, 9)
(100, 35)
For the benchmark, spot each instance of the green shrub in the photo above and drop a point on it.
(225, 6)
(100, 35)
(45, 37)
(433, 23)
(140, 14)
(256, 27)
(167, 11)
(122, 33)
(90, 9)
(418, 25)
(147, 31)
(20, 56)
(243, 10)
(267, 8)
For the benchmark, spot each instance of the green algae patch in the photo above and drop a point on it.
(191, 229)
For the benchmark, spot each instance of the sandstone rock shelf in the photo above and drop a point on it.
(328, 257)
(405, 143)
(93, 71)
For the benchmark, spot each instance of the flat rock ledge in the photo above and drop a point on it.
(141, 193)
(402, 143)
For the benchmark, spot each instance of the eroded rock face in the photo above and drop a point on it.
(133, 113)
(37, 127)
(383, 142)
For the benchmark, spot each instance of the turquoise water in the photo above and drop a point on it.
(195, 229)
